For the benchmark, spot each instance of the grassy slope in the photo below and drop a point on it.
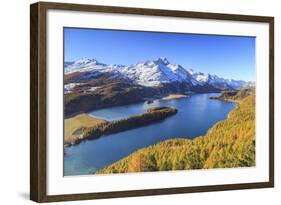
(229, 143)
(74, 123)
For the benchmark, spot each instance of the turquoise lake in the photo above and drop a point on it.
(195, 116)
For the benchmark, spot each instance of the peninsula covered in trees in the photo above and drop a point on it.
(105, 128)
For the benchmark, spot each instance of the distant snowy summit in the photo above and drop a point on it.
(153, 73)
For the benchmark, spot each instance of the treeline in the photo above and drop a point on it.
(229, 143)
(106, 128)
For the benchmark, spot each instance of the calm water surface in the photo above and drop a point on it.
(195, 116)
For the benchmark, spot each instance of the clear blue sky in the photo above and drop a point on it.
(226, 56)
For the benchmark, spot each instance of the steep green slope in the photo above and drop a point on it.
(229, 143)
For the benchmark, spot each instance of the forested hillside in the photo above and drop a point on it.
(229, 143)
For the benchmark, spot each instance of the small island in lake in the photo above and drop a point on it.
(175, 96)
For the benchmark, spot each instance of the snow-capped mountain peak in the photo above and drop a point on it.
(82, 65)
(162, 60)
(86, 61)
(155, 72)
(217, 81)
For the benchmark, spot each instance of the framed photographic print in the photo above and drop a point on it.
(134, 102)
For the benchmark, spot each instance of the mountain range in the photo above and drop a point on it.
(90, 85)
(152, 73)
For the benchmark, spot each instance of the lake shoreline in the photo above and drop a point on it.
(224, 99)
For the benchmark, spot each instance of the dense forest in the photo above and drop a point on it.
(106, 128)
(229, 143)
